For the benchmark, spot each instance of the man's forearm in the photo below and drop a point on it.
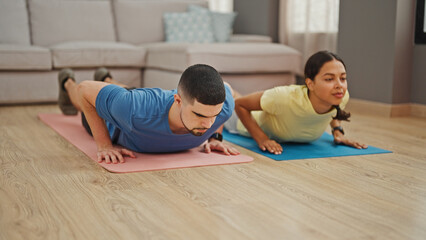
(87, 93)
(97, 126)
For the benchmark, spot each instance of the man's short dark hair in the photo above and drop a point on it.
(203, 83)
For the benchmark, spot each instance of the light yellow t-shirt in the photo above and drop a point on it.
(287, 115)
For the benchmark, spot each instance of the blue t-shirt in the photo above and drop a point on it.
(139, 119)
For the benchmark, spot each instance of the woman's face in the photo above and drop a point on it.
(329, 86)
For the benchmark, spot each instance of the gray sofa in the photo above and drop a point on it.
(40, 37)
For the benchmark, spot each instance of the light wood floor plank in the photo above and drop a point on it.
(51, 190)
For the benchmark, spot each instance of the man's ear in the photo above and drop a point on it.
(178, 99)
(309, 83)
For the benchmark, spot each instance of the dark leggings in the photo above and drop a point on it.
(85, 124)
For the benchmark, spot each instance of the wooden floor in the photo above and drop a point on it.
(51, 190)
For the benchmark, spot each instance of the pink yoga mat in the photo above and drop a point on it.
(71, 129)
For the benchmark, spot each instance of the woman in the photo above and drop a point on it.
(298, 113)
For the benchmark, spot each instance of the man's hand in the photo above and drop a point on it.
(215, 145)
(271, 145)
(114, 155)
(339, 138)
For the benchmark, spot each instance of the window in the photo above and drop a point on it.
(221, 5)
(314, 16)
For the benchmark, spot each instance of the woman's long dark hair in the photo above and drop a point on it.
(312, 68)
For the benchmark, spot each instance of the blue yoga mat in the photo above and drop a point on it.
(321, 148)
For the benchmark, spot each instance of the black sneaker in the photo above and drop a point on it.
(101, 74)
(64, 101)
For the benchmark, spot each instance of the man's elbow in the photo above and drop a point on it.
(88, 90)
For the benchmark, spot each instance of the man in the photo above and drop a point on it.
(151, 119)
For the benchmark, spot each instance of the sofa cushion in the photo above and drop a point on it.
(225, 57)
(54, 22)
(245, 38)
(222, 23)
(24, 57)
(193, 27)
(14, 25)
(142, 21)
(95, 54)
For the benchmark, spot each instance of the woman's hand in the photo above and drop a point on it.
(114, 155)
(271, 145)
(340, 139)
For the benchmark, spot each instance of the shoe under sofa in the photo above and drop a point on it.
(127, 37)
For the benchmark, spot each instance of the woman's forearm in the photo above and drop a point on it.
(251, 125)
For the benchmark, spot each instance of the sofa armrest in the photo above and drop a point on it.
(246, 38)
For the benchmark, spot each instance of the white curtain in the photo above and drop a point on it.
(309, 25)
(225, 6)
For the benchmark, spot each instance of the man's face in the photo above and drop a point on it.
(197, 118)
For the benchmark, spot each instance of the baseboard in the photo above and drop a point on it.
(418, 110)
(386, 110)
